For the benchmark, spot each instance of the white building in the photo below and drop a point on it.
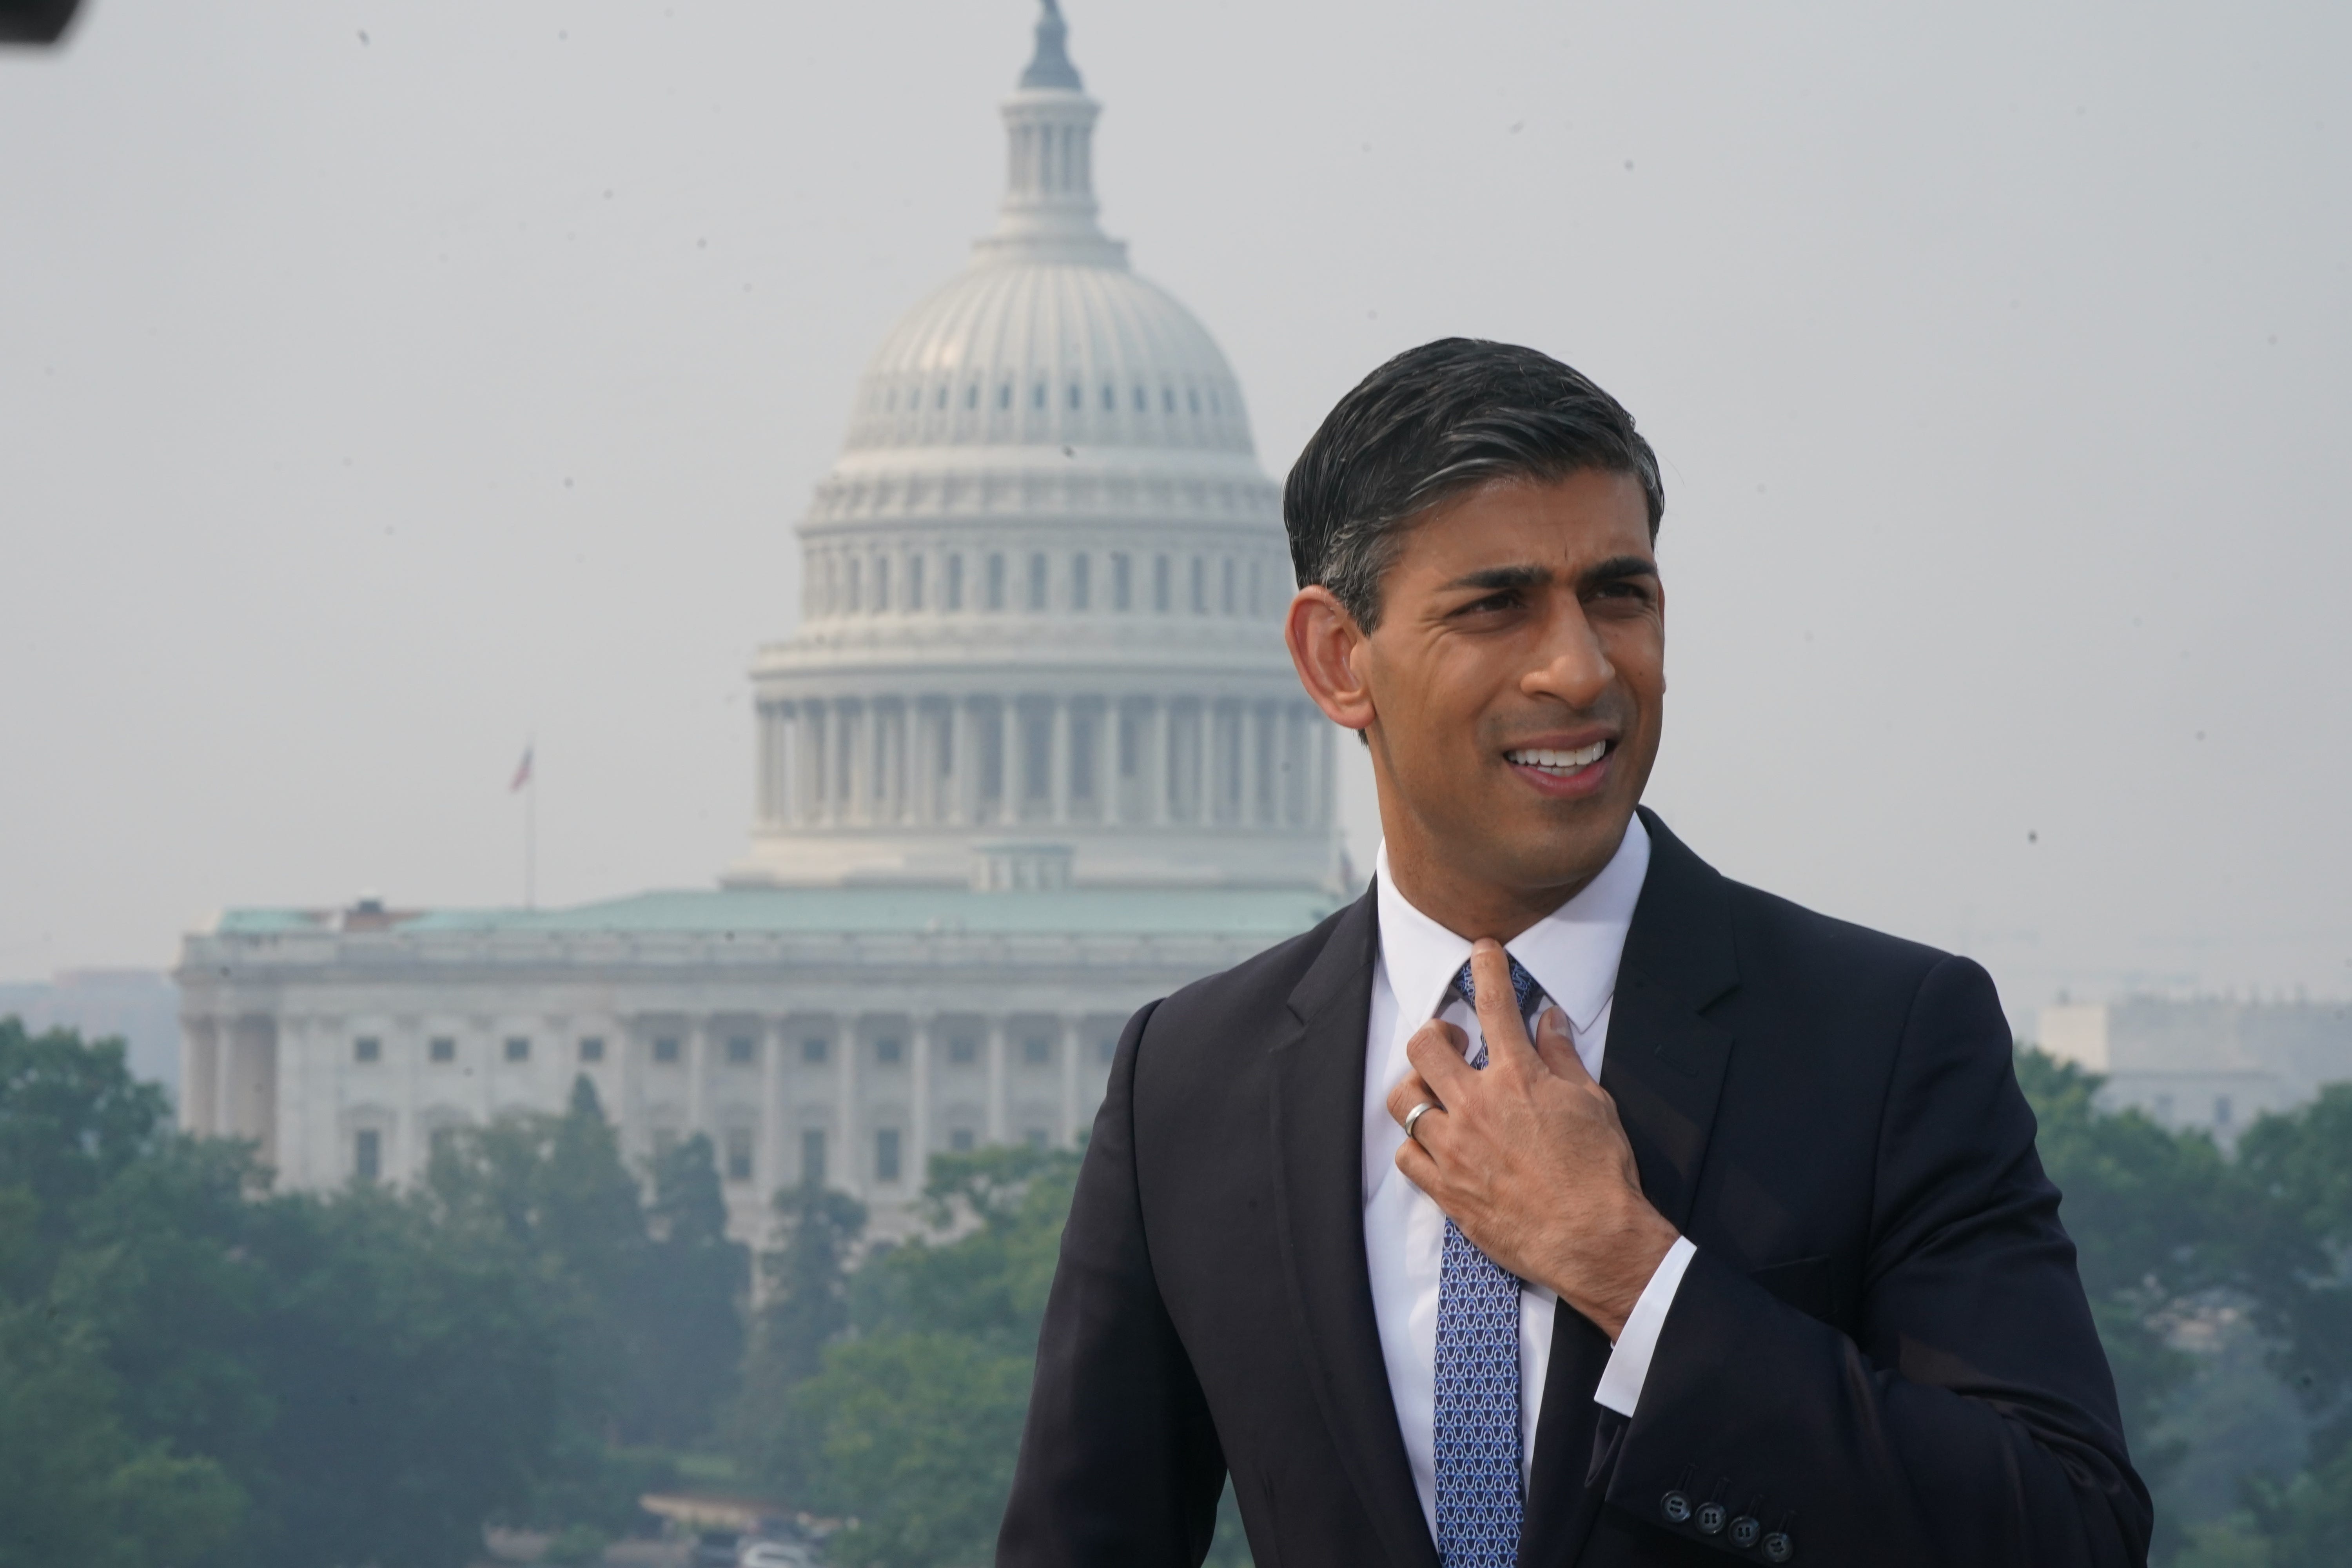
(1035, 755)
(2210, 1063)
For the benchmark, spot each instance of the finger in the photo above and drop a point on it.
(1499, 1004)
(1435, 1052)
(1414, 1161)
(1409, 1091)
(1557, 1046)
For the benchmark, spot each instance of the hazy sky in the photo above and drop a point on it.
(381, 383)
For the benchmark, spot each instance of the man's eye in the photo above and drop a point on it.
(1503, 601)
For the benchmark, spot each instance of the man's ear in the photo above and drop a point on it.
(1326, 648)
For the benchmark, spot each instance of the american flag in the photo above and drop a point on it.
(522, 770)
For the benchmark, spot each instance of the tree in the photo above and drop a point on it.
(2147, 1209)
(807, 1307)
(2293, 1239)
(683, 1312)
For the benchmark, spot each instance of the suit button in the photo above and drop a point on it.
(1677, 1508)
(1744, 1532)
(1779, 1548)
(1710, 1517)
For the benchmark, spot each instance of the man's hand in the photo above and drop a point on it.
(1528, 1155)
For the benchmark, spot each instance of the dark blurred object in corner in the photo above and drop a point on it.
(35, 21)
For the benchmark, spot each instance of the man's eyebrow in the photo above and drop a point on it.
(1494, 579)
(1616, 569)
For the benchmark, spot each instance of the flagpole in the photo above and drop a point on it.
(530, 836)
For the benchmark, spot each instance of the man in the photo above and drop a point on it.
(1560, 1201)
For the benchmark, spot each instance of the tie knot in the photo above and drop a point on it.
(1523, 986)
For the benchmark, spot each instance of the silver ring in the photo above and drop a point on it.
(1412, 1118)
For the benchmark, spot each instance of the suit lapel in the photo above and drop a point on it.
(1664, 1067)
(1318, 1160)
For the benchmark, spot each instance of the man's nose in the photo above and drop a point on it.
(1574, 667)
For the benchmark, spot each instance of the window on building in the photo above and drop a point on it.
(889, 1053)
(1131, 745)
(961, 1140)
(1193, 397)
(1256, 577)
(812, 1049)
(1122, 587)
(972, 396)
(741, 1051)
(1111, 398)
(812, 1157)
(1005, 396)
(1078, 395)
(915, 582)
(1036, 579)
(592, 1048)
(367, 1154)
(441, 1048)
(886, 1154)
(1225, 590)
(367, 1048)
(1159, 584)
(963, 1050)
(518, 1048)
(995, 599)
(738, 1153)
(881, 584)
(1037, 395)
(666, 1049)
(2221, 1110)
(1082, 573)
(955, 583)
(853, 593)
(1037, 1050)
(1142, 402)
(1200, 586)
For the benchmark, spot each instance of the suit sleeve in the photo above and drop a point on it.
(1120, 1462)
(1970, 1420)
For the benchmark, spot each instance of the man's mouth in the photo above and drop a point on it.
(1556, 763)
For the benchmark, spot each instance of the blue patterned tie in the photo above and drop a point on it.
(1477, 1444)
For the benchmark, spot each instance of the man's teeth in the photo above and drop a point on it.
(1559, 762)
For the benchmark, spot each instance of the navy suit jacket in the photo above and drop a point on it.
(1881, 1352)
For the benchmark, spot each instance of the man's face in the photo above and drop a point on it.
(1516, 680)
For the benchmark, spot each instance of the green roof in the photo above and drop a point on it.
(1265, 913)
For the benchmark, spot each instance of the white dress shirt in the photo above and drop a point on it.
(1573, 954)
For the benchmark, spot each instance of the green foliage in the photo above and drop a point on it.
(2294, 1239)
(806, 1276)
(2146, 1208)
(196, 1371)
(919, 1434)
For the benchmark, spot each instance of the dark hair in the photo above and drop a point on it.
(1431, 423)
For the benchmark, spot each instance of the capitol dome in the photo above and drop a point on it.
(1041, 588)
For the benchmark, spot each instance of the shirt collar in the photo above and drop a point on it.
(1572, 952)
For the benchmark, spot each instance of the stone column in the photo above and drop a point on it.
(845, 1164)
(698, 1076)
(996, 1080)
(1250, 754)
(857, 750)
(964, 779)
(199, 1073)
(768, 1165)
(918, 1101)
(1163, 761)
(1057, 760)
(1069, 1079)
(1205, 760)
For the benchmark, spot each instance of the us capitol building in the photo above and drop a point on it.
(1035, 755)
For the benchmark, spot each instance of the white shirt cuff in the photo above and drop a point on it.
(1629, 1363)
